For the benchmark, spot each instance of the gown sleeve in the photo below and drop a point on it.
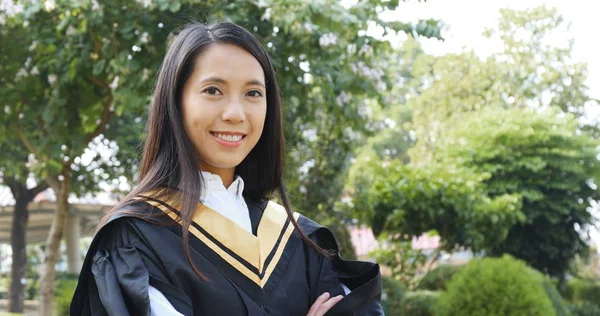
(119, 273)
(361, 278)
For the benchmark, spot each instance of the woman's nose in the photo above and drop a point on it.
(234, 112)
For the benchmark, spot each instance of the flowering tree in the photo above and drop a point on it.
(502, 158)
(81, 74)
(61, 87)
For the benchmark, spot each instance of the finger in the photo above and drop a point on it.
(320, 300)
(328, 305)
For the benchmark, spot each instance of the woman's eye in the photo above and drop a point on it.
(255, 93)
(212, 91)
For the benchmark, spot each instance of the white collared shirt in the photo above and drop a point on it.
(227, 201)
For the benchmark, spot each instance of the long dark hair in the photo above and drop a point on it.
(169, 159)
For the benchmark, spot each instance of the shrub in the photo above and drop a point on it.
(63, 293)
(437, 278)
(582, 291)
(583, 309)
(394, 291)
(557, 300)
(495, 286)
(419, 303)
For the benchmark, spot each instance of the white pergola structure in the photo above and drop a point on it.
(83, 216)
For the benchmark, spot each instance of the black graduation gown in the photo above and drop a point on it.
(269, 272)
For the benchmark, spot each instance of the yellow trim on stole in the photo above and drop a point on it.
(253, 249)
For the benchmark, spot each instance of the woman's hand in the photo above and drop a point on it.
(323, 304)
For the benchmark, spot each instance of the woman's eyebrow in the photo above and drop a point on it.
(223, 81)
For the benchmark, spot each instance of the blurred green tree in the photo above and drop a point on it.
(504, 158)
(550, 162)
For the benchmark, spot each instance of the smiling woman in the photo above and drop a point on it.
(199, 234)
(224, 108)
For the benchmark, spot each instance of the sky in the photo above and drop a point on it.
(466, 20)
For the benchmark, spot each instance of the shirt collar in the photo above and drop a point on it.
(213, 183)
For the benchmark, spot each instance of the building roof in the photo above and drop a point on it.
(41, 213)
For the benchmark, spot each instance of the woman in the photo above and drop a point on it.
(215, 136)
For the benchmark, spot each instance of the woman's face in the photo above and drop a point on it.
(224, 106)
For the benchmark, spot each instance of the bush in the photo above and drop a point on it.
(582, 291)
(495, 286)
(437, 278)
(583, 309)
(4, 285)
(63, 293)
(394, 291)
(31, 287)
(419, 303)
(557, 300)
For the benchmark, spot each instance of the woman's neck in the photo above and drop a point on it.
(226, 174)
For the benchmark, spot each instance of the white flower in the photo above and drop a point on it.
(310, 134)
(21, 74)
(95, 5)
(302, 189)
(381, 86)
(351, 49)
(364, 110)
(364, 49)
(327, 39)
(362, 69)
(308, 27)
(34, 71)
(145, 3)
(115, 83)
(342, 99)
(261, 4)
(52, 79)
(27, 62)
(50, 5)
(266, 15)
(144, 38)
(351, 134)
(306, 166)
(33, 45)
(145, 74)
(70, 30)
(2, 19)
(391, 124)
(10, 8)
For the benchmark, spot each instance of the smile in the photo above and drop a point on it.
(229, 139)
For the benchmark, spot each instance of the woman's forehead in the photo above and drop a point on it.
(229, 63)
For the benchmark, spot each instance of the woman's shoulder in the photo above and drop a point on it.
(124, 225)
(317, 232)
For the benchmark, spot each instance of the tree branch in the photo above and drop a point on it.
(24, 139)
(12, 185)
(42, 126)
(54, 183)
(100, 83)
(38, 189)
(17, 127)
(106, 115)
(96, 42)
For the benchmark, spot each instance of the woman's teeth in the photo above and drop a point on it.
(229, 138)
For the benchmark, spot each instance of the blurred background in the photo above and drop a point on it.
(456, 143)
